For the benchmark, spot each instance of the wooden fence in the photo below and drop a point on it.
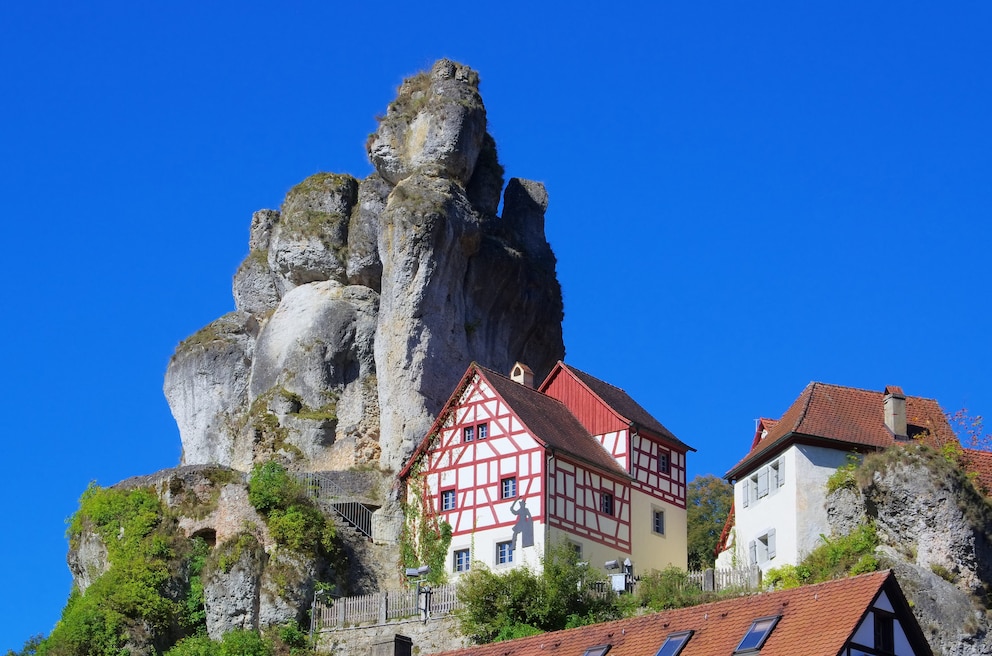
(382, 607)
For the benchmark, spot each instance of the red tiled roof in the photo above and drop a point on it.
(979, 463)
(624, 405)
(551, 422)
(850, 417)
(815, 620)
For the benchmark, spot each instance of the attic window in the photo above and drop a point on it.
(599, 650)
(674, 643)
(755, 637)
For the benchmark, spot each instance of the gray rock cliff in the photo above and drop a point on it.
(934, 528)
(361, 303)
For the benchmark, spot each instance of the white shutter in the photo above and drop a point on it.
(781, 472)
(752, 548)
(771, 544)
(763, 482)
(746, 490)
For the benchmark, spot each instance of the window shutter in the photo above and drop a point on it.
(752, 548)
(771, 544)
(781, 472)
(763, 482)
(746, 490)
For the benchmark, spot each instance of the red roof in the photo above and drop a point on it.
(815, 620)
(979, 463)
(547, 419)
(551, 422)
(848, 417)
(623, 405)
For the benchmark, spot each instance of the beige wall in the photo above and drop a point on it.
(650, 550)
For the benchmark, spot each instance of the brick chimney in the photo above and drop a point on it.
(895, 411)
(522, 374)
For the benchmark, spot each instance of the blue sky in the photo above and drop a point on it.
(745, 197)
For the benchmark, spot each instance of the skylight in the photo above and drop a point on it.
(599, 650)
(755, 637)
(674, 643)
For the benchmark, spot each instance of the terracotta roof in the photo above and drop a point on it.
(624, 405)
(815, 620)
(551, 422)
(850, 417)
(979, 463)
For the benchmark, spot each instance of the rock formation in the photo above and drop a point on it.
(933, 526)
(361, 303)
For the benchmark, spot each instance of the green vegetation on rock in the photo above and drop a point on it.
(151, 588)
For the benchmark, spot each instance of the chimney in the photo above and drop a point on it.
(895, 411)
(522, 374)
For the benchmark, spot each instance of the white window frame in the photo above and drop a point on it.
(461, 560)
(508, 487)
(447, 495)
(504, 553)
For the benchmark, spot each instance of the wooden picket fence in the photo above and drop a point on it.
(383, 607)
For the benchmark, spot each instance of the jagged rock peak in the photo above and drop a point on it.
(436, 126)
(361, 303)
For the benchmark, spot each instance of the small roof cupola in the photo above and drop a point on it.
(521, 373)
(895, 411)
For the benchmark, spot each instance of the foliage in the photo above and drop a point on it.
(30, 647)
(239, 642)
(843, 478)
(669, 588)
(152, 580)
(520, 602)
(709, 501)
(847, 555)
(294, 521)
(424, 539)
(271, 487)
(970, 429)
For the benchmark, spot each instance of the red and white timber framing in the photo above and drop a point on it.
(475, 470)
(576, 506)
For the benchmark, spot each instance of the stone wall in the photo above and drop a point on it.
(437, 635)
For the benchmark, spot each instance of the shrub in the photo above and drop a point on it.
(270, 487)
(669, 588)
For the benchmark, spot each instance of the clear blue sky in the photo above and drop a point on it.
(745, 197)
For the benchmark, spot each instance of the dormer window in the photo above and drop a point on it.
(674, 643)
(755, 637)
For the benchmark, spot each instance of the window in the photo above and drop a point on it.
(757, 634)
(663, 465)
(606, 503)
(674, 643)
(658, 523)
(884, 633)
(447, 500)
(468, 434)
(461, 560)
(599, 650)
(504, 553)
(483, 430)
(508, 488)
(763, 548)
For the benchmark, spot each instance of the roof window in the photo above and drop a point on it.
(674, 643)
(755, 637)
(599, 650)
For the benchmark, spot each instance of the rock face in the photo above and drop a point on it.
(361, 303)
(934, 529)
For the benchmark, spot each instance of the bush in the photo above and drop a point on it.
(669, 588)
(519, 602)
(270, 487)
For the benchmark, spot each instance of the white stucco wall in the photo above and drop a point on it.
(795, 510)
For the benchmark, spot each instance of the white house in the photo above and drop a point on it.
(779, 511)
(513, 468)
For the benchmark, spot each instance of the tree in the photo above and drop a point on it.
(708, 505)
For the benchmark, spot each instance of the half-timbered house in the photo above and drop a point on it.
(513, 469)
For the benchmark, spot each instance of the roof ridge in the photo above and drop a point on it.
(870, 391)
(586, 373)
